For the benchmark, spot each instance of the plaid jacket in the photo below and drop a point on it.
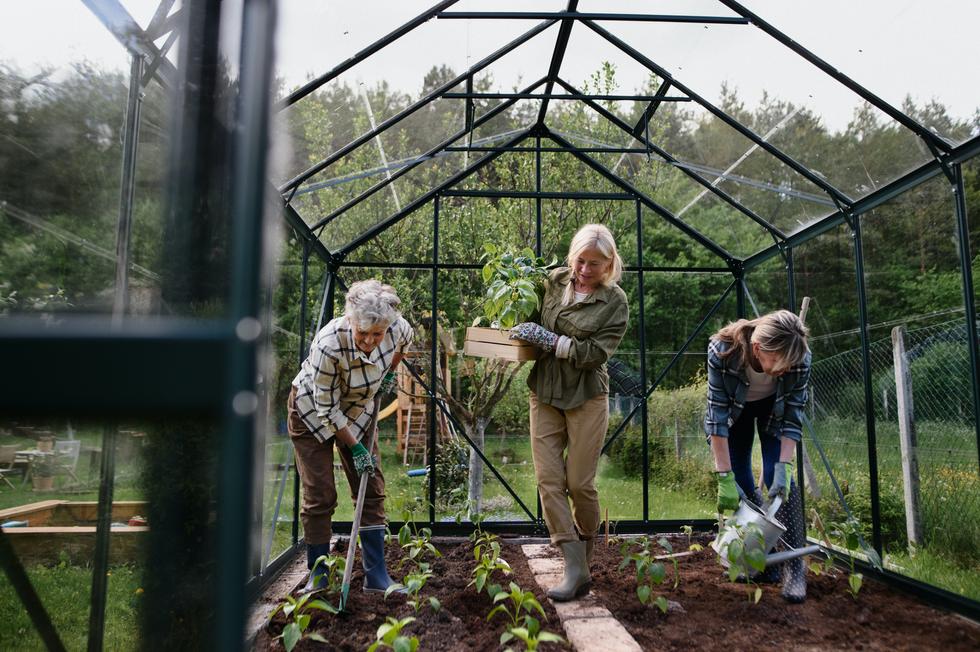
(337, 381)
(728, 385)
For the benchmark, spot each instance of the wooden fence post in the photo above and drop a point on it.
(906, 429)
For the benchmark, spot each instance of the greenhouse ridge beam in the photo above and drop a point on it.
(561, 44)
(565, 15)
(562, 96)
(378, 45)
(532, 194)
(721, 115)
(706, 242)
(899, 116)
(294, 183)
(127, 31)
(659, 151)
(428, 155)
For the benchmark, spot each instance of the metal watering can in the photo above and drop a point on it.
(772, 530)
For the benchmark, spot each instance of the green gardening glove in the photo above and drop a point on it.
(363, 461)
(782, 477)
(387, 383)
(728, 491)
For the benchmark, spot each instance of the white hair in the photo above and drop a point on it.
(370, 303)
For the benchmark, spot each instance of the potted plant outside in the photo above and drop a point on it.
(515, 285)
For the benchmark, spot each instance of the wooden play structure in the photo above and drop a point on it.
(412, 412)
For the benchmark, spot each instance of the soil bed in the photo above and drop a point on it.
(718, 615)
(459, 625)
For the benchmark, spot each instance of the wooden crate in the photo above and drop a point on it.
(494, 343)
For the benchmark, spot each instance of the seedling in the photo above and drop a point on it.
(689, 531)
(489, 563)
(745, 554)
(530, 634)
(390, 636)
(849, 532)
(300, 611)
(413, 586)
(648, 571)
(519, 602)
(828, 563)
(334, 566)
(416, 546)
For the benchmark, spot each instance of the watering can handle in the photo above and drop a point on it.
(774, 506)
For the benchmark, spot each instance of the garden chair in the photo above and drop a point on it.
(8, 455)
(66, 456)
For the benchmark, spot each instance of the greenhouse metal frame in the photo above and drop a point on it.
(209, 369)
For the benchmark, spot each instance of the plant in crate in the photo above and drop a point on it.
(515, 283)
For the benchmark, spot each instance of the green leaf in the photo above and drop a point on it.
(481, 579)
(855, 581)
(665, 544)
(757, 595)
(756, 559)
(303, 622)
(402, 644)
(290, 636)
(506, 636)
(661, 603)
(316, 637)
(435, 604)
(657, 572)
(643, 593)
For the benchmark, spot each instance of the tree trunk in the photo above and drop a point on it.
(475, 495)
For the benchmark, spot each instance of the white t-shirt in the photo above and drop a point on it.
(761, 385)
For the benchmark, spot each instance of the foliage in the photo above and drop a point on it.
(416, 544)
(452, 474)
(848, 532)
(414, 582)
(389, 636)
(531, 635)
(300, 611)
(515, 284)
(689, 531)
(333, 577)
(520, 602)
(489, 562)
(745, 554)
(649, 572)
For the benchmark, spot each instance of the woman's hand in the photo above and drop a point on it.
(535, 334)
(728, 491)
(363, 461)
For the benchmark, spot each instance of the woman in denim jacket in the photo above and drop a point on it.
(757, 378)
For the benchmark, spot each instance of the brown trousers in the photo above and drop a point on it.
(581, 431)
(314, 461)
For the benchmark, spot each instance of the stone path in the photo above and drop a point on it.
(588, 625)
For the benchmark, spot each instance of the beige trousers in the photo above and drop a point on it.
(561, 477)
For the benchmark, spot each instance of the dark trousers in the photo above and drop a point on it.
(314, 461)
(755, 416)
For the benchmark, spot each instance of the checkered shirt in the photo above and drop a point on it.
(337, 381)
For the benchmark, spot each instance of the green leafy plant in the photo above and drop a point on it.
(530, 634)
(299, 610)
(649, 572)
(413, 586)
(515, 604)
(745, 554)
(514, 284)
(689, 531)
(389, 636)
(416, 544)
(488, 563)
(333, 578)
(849, 532)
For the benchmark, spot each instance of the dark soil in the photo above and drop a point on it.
(718, 615)
(459, 625)
(715, 614)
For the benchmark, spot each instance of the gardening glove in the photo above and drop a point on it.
(728, 491)
(363, 461)
(387, 383)
(781, 480)
(535, 334)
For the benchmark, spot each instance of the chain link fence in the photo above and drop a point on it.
(942, 414)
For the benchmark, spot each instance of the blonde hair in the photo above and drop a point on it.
(780, 332)
(370, 303)
(600, 238)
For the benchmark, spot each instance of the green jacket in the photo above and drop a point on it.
(595, 326)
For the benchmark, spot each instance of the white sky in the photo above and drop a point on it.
(928, 49)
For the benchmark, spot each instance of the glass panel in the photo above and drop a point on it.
(467, 223)
(915, 291)
(898, 52)
(666, 245)
(767, 288)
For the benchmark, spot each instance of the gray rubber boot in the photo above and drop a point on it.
(316, 580)
(577, 579)
(790, 514)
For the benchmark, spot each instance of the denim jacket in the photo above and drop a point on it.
(728, 385)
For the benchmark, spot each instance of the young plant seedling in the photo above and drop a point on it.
(827, 564)
(299, 611)
(531, 635)
(334, 566)
(520, 602)
(488, 563)
(745, 555)
(849, 532)
(390, 636)
(416, 546)
(413, 586)
(648, 571)
(689, 531)
(665, 544)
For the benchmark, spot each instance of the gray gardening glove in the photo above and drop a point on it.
(782, 478)
(535, 334)
(363, 461)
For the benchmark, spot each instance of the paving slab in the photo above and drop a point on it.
(606, 634)
(536, 550)
(546, 566)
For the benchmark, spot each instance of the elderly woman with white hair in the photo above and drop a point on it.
(332, 400)
(582, 320)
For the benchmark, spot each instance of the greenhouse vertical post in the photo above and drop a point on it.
(537, 200)
(963, 231)
(433, 361)
(855, 222)
(643, 361)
